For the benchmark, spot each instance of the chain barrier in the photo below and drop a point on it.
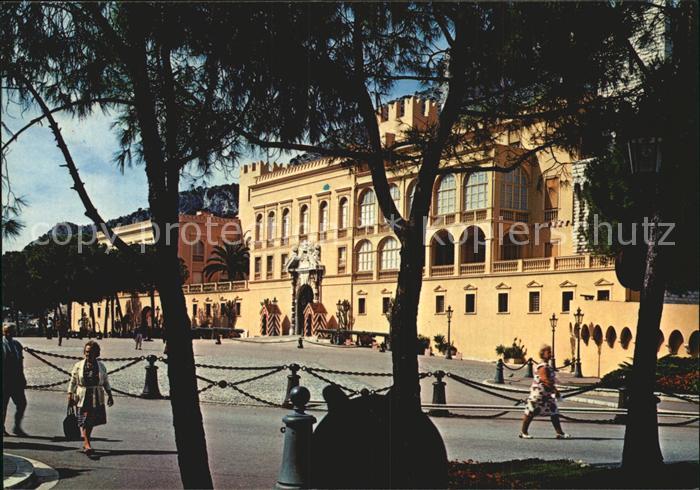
(323, 344)
(250, 341)
(480, 387)
(57, 368)
(514, 369)
(351, 373)
(79, 358)
(239, 368)
(680, 397)
(312, 372)
(126, 393)
(127, 365)
(47, 385)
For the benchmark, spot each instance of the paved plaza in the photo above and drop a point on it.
(137, 448)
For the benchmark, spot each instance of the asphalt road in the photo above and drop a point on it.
(137, 448)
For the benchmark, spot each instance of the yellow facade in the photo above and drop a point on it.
(513, 289)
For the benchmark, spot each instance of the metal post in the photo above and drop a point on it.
(499, 372)
(150, 387)
(577, 370)
(622, 399)
(529, 373)
(295, 471)
(292, 382)
(439, 397)
(300, 344)
(449, 338)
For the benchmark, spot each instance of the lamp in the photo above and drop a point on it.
(449, 312)
(553, 322)
(578, 316)
(644, 155)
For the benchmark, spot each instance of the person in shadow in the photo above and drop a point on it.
(13, 380)
(88, 384)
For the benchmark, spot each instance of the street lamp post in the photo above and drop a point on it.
(449, 338)
(578, 316)
(553, 322)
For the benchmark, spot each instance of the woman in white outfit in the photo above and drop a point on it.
(88, 384)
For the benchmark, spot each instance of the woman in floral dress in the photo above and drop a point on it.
(87, 388)
(543, 396)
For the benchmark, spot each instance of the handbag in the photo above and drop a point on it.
(70, 425)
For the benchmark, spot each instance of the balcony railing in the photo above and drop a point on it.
(569, 262)
(363, 276)
(442, 270)
(342, 233)
(601, 261)
(543, 264)
(222, 286)
(442, 219)
(269, 274)
(341, 268)
(322, 235)
(505, 266)
(475, 268)
(518, 216)
(474, 215)
(303, 237)
(388, 274)
(257, 244)
(270, 242)
(364, 230)
(257, 276)
(551, 214)
(208, 287)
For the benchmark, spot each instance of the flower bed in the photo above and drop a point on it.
(676, 374)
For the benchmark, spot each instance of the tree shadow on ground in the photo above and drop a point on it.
(63, 439)
(65, 473)
(36, 446)
(100, 453)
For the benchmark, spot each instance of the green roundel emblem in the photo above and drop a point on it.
(326, 187)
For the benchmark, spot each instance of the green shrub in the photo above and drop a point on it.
(516, 351)
(678, 374)
(441, 344)
(423, 343)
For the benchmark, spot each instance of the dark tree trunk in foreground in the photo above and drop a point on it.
(92, 317)
(107, 317)
(641, 453)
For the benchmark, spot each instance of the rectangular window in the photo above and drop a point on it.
(269, 267)
(361, 306)
(386, 305)
(470, 303)
(603, 295)
(257, 267)
(566, 298)
(342, 259)
(208, 309)
(503, 302)
(534, 302)
(238, 308)
(440, 304)
(551, 249)
(283, 262)
(99, 309)
(194, 310)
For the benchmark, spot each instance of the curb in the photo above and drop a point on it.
(29, 473)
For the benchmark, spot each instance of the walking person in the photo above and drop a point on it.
(88, 384)
(543, 397)
(13, 380)
(138, 337)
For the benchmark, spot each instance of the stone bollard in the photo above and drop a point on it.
(529, 373)
(300, 344)
(499, 372)
(292, 382)
(218, 339)
(439, 397)
(150, 387)
(296, 455)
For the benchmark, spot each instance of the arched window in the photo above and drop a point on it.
(258, 227)
(411, 194)
(476, 191)
(285, 223)
(694, 344)
(389, 255)
(271, 225)
(514, 190)
(442, 248)
(473, 246)
(323, 217)
(304, 220)
(365, 257)
(610, 336)
(514, 245)
(343, 214)
(367, 208)
(446, 195)
(675, 341)
(395, 194)
(625, 337)
(198, 252)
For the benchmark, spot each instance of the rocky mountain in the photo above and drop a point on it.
(220, 200)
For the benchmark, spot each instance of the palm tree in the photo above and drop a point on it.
(231, 258)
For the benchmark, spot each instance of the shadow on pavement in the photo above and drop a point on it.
(65, 473)
(102, 453)
(63, 439)
(36, 446)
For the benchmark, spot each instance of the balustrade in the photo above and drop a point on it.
(505, 266)
(475, 268)
(442, 270)
(363, 276)
(551, 214)
(388, 274)
(342, 233)
(542, 264)
(569, 262)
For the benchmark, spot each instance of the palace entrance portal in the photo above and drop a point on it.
(305, 269)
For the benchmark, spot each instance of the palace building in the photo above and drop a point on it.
(503, 253)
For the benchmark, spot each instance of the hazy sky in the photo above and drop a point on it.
(35, 174)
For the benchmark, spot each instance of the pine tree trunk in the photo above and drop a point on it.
(152, 294)
(106, 317)
(92, 317)
(642, 453)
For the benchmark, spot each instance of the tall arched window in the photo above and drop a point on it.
(476, 191)
(389, 255)
(343, 213)
(198, 252)
(285, 223)
(271, 223)
(446, 195)
(323, 217)
(514, 190)
(258, 227)
(365, 257)
(304, 220)
(368, 212)
(395, 194)
(411, 194)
